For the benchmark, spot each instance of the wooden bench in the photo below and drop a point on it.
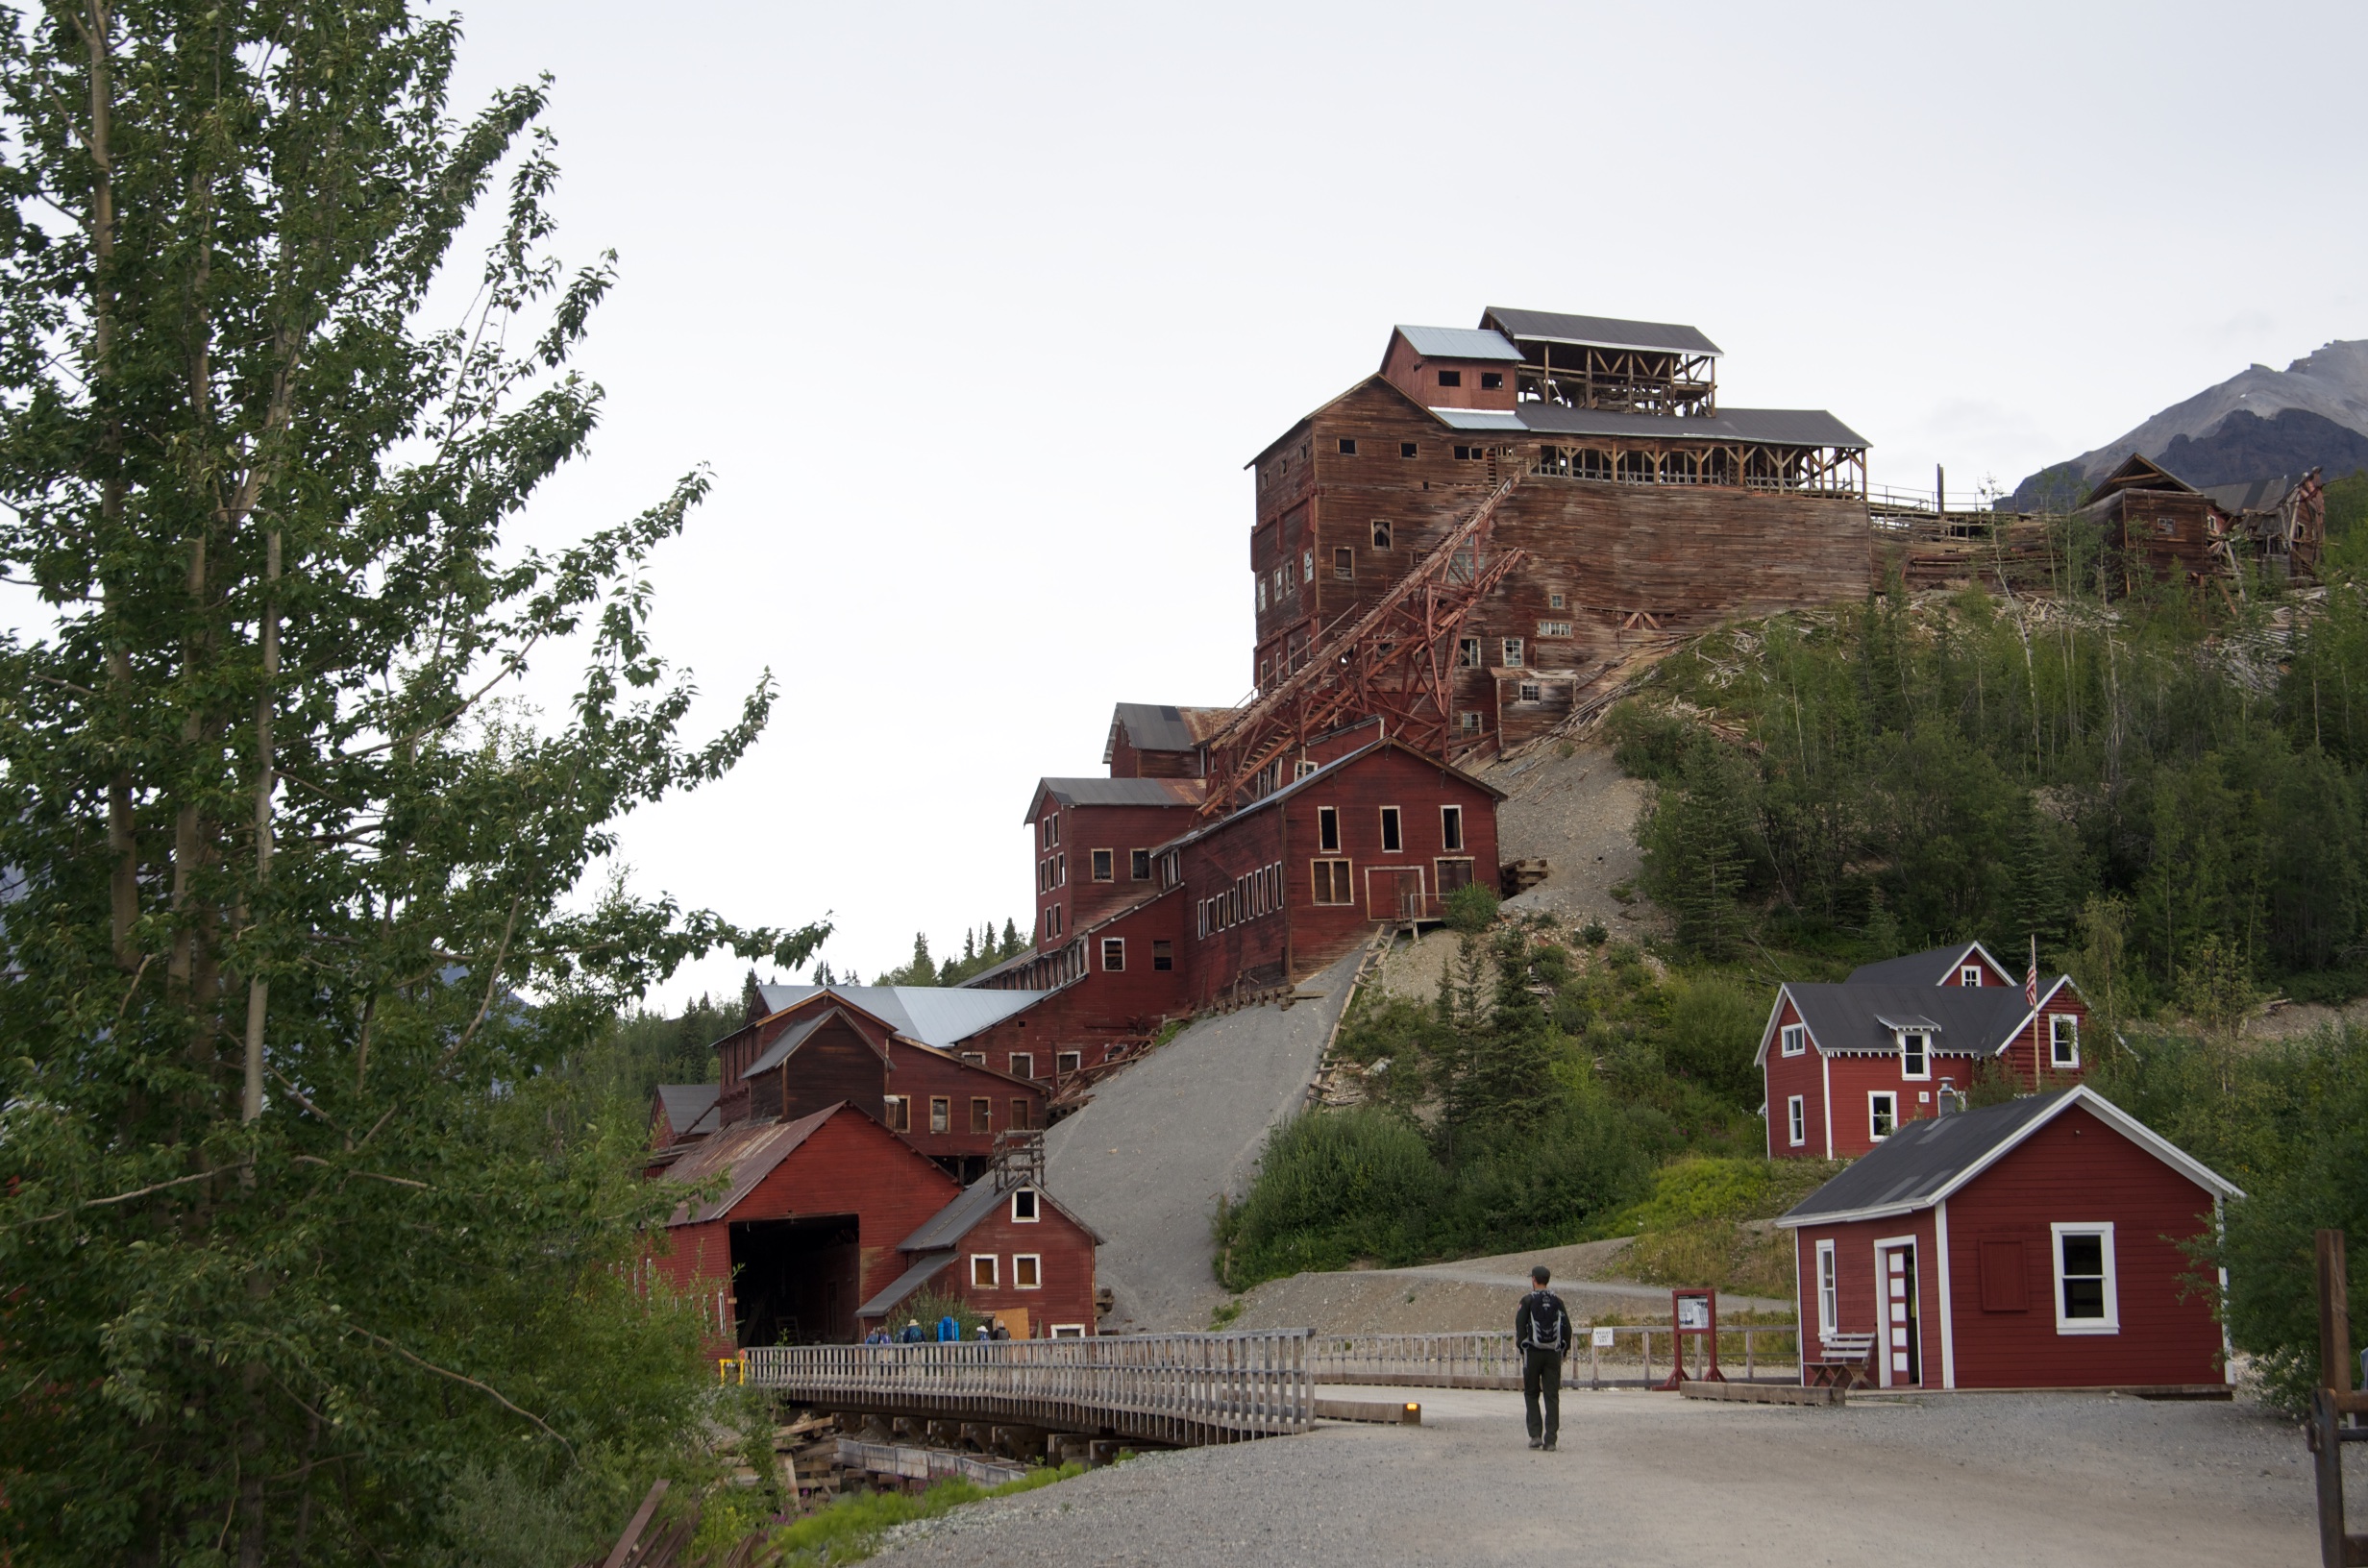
(1846, 1363)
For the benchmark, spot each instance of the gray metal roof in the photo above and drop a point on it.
(687, 1103)
(1122, 792)
(1159, 726)
(1932, 967)
(790, 1040)
(1458, 343)
(2251, 495)
(950, 1224)
(1965, 1020)
(904, 1285)
(939, 1016)
(1479, 419)
(1602, 331)
(1771, 426)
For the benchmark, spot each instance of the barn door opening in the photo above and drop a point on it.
(796, 1281)
(1902, 1343)
(1394, 894)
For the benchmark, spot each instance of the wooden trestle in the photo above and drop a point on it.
(1177, 1388)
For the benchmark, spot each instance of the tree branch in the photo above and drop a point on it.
(444, 1372)
(137, 1192)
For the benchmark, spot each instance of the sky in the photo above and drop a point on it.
(976, 312)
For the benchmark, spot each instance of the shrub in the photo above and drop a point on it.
(1471, 908)
(1332, 1186)
(1593, 934)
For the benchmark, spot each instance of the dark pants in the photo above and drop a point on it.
(1542, 1377)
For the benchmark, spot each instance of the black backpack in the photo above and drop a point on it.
(1549, 1322)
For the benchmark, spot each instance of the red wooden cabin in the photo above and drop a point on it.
(1153, 740)
(2034, 1244)
(1092, 840)
(1846, 1066)
(1011, 1252)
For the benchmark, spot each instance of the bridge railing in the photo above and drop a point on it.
(1487, 1359)
(1167, 1388)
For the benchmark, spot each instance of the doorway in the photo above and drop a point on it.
(1903, 1345)
(797, 1282)
(1393, 893)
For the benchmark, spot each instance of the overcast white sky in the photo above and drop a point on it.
(978, 310)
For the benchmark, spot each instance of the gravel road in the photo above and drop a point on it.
(1650, 1479)
(1144, 1164)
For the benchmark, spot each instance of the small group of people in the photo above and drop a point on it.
(947, 1332)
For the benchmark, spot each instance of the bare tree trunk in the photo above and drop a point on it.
(259, 989)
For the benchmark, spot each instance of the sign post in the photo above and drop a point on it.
(1694, 1315)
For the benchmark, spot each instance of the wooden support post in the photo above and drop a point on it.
(2335, 1314)
(2338, 1549)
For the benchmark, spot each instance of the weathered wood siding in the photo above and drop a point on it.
(1065, 1253)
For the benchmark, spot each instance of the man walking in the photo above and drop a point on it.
(1541, 1330)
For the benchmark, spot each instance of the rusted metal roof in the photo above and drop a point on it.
(746, 1154)
(1598, 332)
(1458, 343)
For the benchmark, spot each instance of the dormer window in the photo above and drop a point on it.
(1969, 975)
(1916, 1055)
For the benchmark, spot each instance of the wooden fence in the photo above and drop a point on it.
(1488, 1360)
(1158, 1388)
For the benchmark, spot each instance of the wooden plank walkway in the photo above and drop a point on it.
(1181, 1388)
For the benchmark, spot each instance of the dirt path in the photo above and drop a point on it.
(1650, 1479)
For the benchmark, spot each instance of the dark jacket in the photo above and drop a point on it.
(1542, 1323)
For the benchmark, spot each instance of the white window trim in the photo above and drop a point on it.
(2110, 1322)
(1108, 942)
(1018, 1057)
(1829, 1291)
(1792, 1040)
(1872, 1095)
(1036, 1257)
(1327, 816)
(1018, 1219)
(936, 1101)
(1068, 1330)
(1514, 649)
(1094, 870)
(1926, 1075)
(1384, 815)
(1796, 1121)
(1969, 974)
(994, 1279)
(2054, 1058)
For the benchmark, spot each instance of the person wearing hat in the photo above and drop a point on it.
(1542, 1331)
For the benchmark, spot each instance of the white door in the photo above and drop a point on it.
(1900, 1345)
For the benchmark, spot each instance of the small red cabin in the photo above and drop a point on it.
(1846, 1066)
(1008, 1250)
(2034, 1244)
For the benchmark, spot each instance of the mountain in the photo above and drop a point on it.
(2311, 414)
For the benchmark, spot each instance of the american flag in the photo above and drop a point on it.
(2030, 977)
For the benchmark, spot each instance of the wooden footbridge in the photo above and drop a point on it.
(1175, 1388)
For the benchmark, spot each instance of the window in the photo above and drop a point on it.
(1882, 1115)
(2063, 1040)
(940, 1112)
(1307, 566)
(1052, 830)
(1381, 533)
(1467, 722)
(1068, 1061)
(1794, 1038)
(2006, 1285)
(2085, 1299)
(1471, 454)
(982, 1270)
(1829, 1291)
(1023, 1063)
(982, 1115)
(1796, 1121)
(1023, 1206)
(1492, 380)
(1407, 449)
(1554, 602)
(1139, 865)
(1453, 874)
(1068, 1330)
(1915, 1058)
(1019, 1117)
(1969, 975)
(1060, 870)
(1345, 563)
(1327, 828)
(1266, 671)
(1513, 652)
(1163, 955)
(1104, 865)
(1114, 953)
(1554, 628)
(976, 1059)
(1331, 882)
(899, 1114)
(1451, 828)
(1452, 377)
(1392, 840)
(1349, 446)
(1027, 1271)
(1262, 596)
(1467, 653)
(1529, 691)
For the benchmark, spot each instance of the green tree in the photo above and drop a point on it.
(1694, 848)
(299, 1223)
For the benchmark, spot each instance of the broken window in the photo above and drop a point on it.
(1468, 722)
(897, 1112)
(1052, 830)
(1381, 533)
(1471, 454)
(982, 1270)
(1266, 671)
(1023, 1063)
(1068, 1061)
(1345, 563)
(1027, 1271)
(1114, 953)
(1492, 380)
(1349, 446)
(1452, 377)
(1104, 865)
(1139, 865)
(1024, 1209)
(1451, 828)
(1513, 652)
(1163, 955)
(1307, 566)
(1331, 881)
(1262, 596)
(1327, 828)
(1554, 628)
(940, 1112)
(1467, 653)
(1391, 841)
(1406, 449)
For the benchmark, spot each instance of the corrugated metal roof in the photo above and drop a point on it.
(1159, 726)
(790, 1040)
(904, 1285)
(1479, 419)
(748, 1152)
(1458, 343)
(1602, 331)
(1860, 1017)
(939, 1016)
(1122, 792)
(1932, 967)
(1773, 427)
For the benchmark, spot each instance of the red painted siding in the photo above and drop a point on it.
(1065, 1252)
(1084, 829)
(1784, 1076)
(1860, 1299)
(1253, 950)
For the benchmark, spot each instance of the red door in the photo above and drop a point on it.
(1394, 894)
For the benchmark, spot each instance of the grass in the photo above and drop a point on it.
(1691, 1229)
(850, 1529)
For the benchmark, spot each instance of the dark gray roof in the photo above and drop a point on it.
(1605, 331)
(2251, 495)
(687, 1103)
(1772, 427)
(1458, 343)
(1861, 1017)
(789, 1039)
(1916, 1163)
(1161, 727)
(1121, 792)
(950, 1224)
(904, 1285)
(1928, 967)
